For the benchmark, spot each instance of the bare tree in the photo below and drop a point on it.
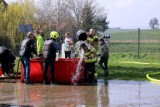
(45, 10)
(154, 23)
(69, 15)
(54, 14)
(86, 13)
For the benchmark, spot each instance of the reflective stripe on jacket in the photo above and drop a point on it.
(90, 40)
(90, 56)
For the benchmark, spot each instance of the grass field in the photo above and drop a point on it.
(127, 66)
(132, 34)
(124, 62)
(123, 40)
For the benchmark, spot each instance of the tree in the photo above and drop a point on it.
(101, 24)
(154, 23)
(21, 12)
(70, 15)
(94, 17)
(87, 14)
(54, 15)
(47, 15)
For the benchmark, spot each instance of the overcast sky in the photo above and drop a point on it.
(130, 13)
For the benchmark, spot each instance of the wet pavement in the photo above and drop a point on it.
(114, 93)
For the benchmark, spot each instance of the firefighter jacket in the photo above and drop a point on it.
(90, 56)
(90, 40)
(77, 46)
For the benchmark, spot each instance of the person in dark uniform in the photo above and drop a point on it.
(104, 56)
(49, 54)
(6, 60)
(26, 50)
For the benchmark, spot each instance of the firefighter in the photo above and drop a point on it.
(91, 35)
(89, 67)
(82, 39)
(26, 50)
(49, 54)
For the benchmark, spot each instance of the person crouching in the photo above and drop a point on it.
(7, 61)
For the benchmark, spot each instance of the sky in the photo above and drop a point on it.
(131, 14)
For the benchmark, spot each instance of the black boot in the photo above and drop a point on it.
(46, 82)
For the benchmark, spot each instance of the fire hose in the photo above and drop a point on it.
(153, 79)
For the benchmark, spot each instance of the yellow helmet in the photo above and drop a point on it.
(54, 35)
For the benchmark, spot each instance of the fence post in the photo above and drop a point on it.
(138, 42)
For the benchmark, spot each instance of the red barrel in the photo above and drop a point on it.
(64, 70)
(0, 71)
(36, 70)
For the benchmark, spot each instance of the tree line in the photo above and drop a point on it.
(48, 15)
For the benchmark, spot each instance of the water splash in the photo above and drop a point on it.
(79, 67)
(62, 51)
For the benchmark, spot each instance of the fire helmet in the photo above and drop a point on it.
(54, 35)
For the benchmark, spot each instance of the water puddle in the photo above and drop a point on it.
(112, 93)
(8, 105)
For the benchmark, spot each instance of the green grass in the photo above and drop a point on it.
(16, 66)
(126, 40)
(127, 66)
(132, 34)
(124, 49)
(155, 75)
(133, 47)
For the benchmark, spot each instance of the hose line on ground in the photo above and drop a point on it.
(153, 79)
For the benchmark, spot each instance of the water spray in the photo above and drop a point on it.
(79, 67)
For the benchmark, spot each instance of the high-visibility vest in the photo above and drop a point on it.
(40, 43)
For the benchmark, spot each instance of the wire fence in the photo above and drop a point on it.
(137, 41)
